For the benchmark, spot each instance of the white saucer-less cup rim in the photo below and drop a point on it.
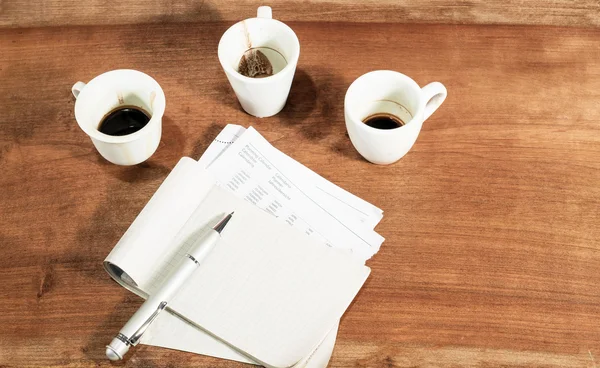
(107, 91)
(260, 97)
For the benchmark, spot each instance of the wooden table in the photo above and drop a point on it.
(492, 220)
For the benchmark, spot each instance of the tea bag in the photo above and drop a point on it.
(255, 64)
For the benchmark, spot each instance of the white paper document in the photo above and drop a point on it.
(259, 290)
(343, 204)
(245, 164)
(250, 170)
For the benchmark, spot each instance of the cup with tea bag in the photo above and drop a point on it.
(259, 56)
(121, 111)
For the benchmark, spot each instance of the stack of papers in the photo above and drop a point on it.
(242, 163)
(251, 168)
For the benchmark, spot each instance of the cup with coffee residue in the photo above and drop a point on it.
(259, 56)
(121, 111)
(384, 112)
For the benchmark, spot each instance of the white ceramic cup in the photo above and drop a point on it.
(117, 88)
(385, 91)
(261, 97)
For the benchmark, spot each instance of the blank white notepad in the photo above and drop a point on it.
(267, 290)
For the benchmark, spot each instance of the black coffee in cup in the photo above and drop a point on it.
(124, 120)
(383, 121)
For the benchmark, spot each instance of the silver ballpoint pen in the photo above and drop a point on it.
(133, 330)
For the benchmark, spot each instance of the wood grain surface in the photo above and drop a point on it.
(25, 13)
(492, 220)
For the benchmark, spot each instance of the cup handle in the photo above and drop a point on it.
(264, 12)
(434, 93)
(77, 87)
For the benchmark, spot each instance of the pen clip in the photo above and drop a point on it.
(138, 334)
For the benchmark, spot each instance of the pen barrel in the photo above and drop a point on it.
(143, 314)
(203, 246)
(133, 330)
(171, 285)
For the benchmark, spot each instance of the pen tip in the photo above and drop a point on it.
(231, 214)
(221, 225)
